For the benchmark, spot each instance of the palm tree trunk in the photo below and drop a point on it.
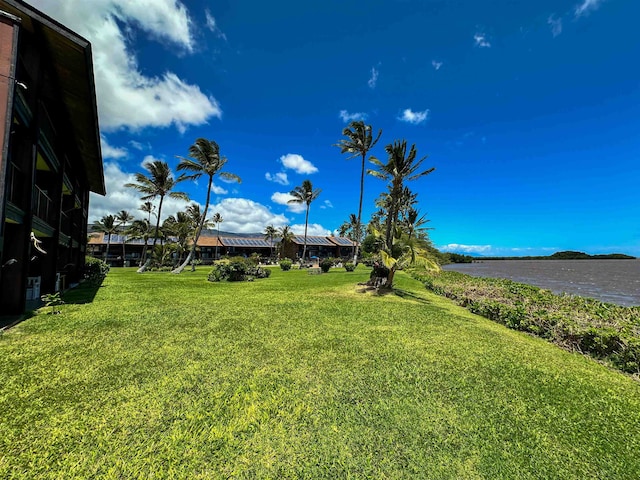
(306, 224)
(144, 267)
(355, 247)
(192, 253)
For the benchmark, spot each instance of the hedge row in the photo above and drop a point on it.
(605, 331)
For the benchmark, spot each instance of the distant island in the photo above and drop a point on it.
(566, 255)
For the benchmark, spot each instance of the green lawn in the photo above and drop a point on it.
(300, 376)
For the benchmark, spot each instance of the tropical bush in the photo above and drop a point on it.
(349, 266)
(95, 269)
(605, 331)
(53, 300)
(326, 264)
(237, 269)
(285, 264)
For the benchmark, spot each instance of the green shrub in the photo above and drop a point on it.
(237, 269)
(95, 269)
(326, 264)
(349, 266)
(285, 264)
(52, 300)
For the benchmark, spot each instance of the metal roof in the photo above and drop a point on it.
(313, 240)
(244, 242)
(342, 241)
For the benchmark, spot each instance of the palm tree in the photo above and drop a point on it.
(106, 225)
(141, 229)
(149, 208)
(400, 167)
(286, 236)
(159, 183)
(204, 159)
(414, 223)
(358, 142)
(305, 194)
(123, 217)
(181, 226)
(350, 229)
(217, 220)
(269, 234)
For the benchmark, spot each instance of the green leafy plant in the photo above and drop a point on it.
(95, 270)
(285, 264)
(349, 266)
(237, 269)
(326, 264)
(53, 300)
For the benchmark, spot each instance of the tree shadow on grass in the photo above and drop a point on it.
(410, 296)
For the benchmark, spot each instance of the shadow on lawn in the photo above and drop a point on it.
(410, 295)
(83, 293)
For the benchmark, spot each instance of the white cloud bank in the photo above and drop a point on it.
(412, 117)
(283, 198)
(279, 177)
(126, 97)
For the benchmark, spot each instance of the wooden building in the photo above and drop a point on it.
(50, 157)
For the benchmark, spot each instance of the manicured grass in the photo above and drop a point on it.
(300, 376)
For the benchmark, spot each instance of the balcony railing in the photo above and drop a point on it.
(43, 206)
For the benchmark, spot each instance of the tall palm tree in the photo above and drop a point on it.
(159, 183)
(217, 220)
(414, 223)
(106, 225)
(204, 160)
(305, 194)
(358, 142)
(123, 217)
(400, 167)
(286, 236)
(180, 226)
(269, 234)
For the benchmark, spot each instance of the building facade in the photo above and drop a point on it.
(50, 157)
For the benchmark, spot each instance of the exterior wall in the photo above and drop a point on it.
(43, 175)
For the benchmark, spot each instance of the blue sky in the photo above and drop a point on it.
(530, 111)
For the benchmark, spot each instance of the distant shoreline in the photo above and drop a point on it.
(566, 256)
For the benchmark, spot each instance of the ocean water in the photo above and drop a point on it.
(612, 281)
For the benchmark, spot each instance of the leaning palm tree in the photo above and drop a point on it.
(350, 229)
(217, 220)
(204, 159)
(159, 183)
(269, 234)
(123, 217)
(358, 142)
(106, 225)
(305, 194)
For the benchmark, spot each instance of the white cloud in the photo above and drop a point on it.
(241, 215)
(412, 117)
(556, 25)
(136, 145)
(456, 247)
(312, 229)
(481, 40)
(126, 97)
(297, 163)
(586, 7)
(349, 117)
(119, 197)
(326, 204)
(279, 177)
(436, 65)
(213, 25)
(373, 79)
(282, 198)
(109, 151)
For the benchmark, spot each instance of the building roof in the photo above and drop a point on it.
(73, 62)
(245, 242)
(342, 241)
(313, 240)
